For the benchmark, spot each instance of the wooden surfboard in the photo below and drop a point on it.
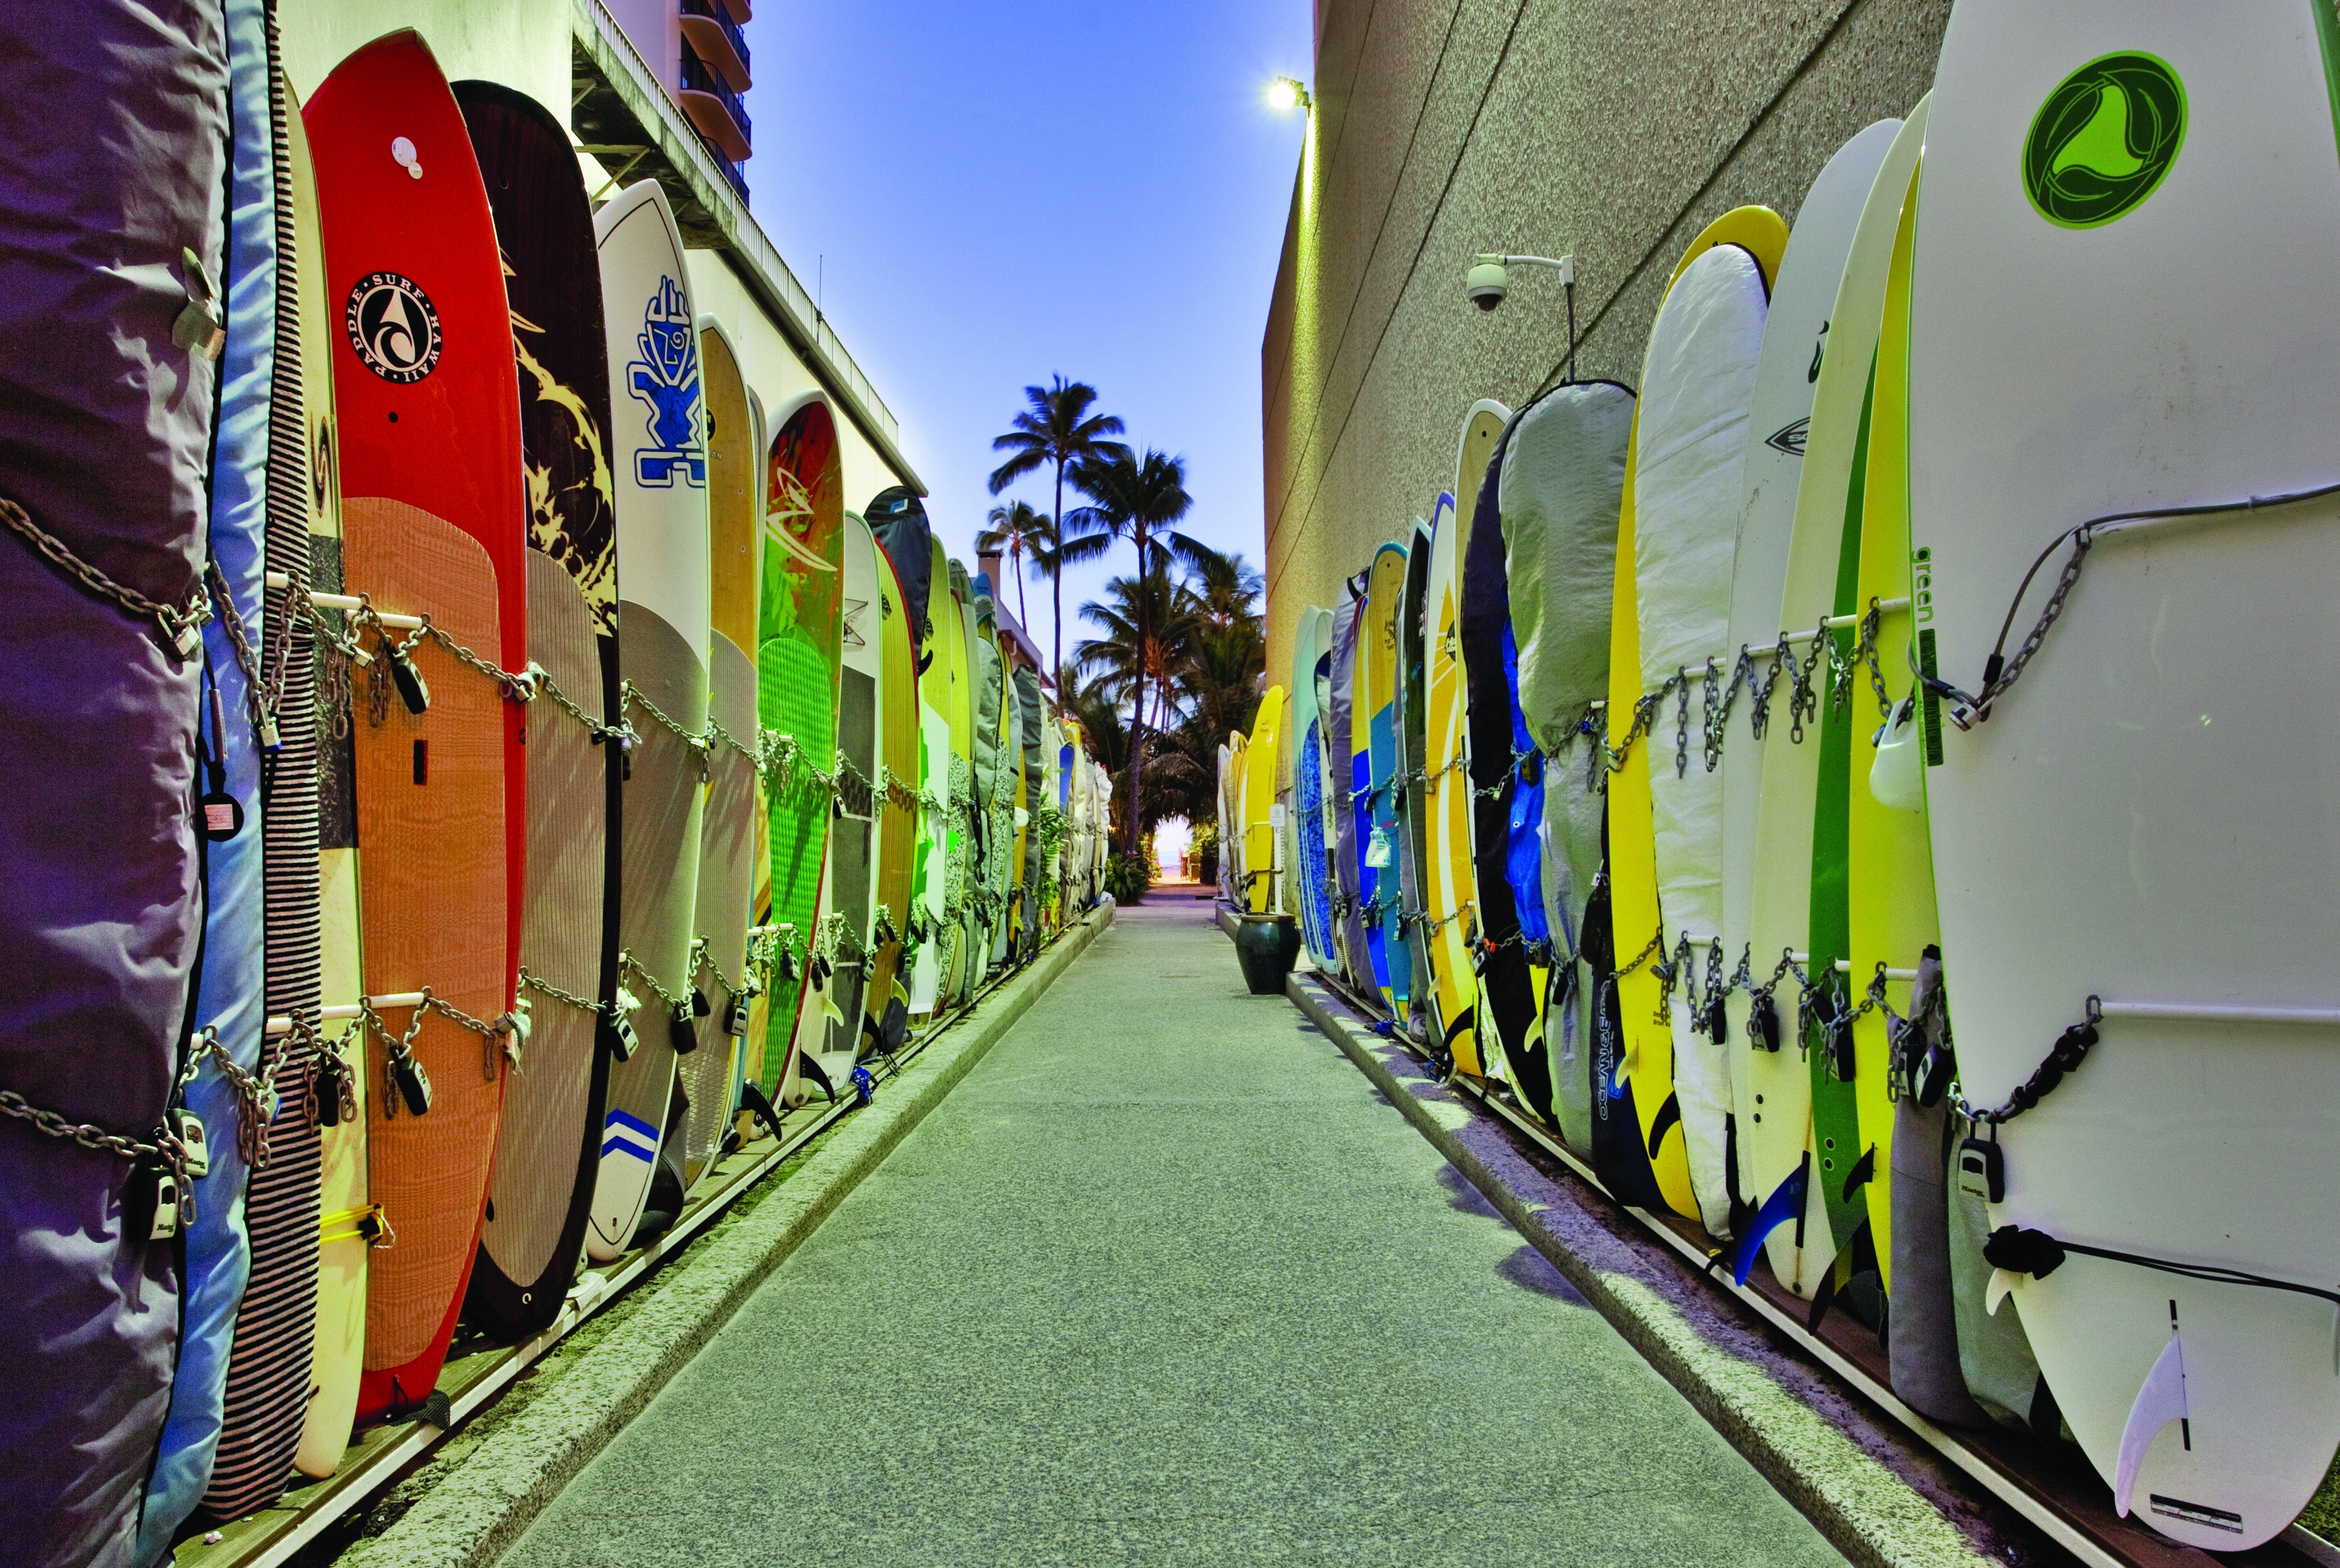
(428, 410)
(547, 1149)
(659, 462)
(726, 840)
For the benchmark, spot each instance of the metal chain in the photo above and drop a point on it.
(246, 660)
(676, 1003)
(542, 683)
(544, 987)
(181, 625)
(631, 696)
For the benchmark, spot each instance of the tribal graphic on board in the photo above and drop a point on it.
(666, 379)
(572, 504)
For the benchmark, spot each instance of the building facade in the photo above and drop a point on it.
(1610, 129)
(648, 92)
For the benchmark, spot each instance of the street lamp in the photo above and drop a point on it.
(1287, 92)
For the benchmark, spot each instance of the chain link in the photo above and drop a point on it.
(180, 625)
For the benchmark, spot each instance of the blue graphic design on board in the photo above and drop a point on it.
(667, 379)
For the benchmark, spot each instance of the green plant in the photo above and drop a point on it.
(1126, 877)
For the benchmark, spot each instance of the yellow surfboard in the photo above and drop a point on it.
(1646, 1050)
(1262, 761)
(1889, 859)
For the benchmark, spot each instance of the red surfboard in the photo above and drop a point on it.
(434, 523)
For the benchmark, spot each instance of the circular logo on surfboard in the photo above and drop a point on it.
(2103, 141)
(393, 326)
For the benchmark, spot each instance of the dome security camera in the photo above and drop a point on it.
(1488, 282)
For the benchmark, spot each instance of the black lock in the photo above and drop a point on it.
(821, 970)
(618, 1036)
(699, 1005)
(1765, 1016)
(784, 965)
(411, 689)
(1840, 1048)
(680, 1031)
(413, 1083)
(1982, 1169)
(1717, 1024)
(329, 1088)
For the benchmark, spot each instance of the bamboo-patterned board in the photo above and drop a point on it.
(727, 845)
(658, 901)
(430, 815)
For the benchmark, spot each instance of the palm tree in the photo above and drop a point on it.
(1016, 531)
(1056, 427)
(1137, 499)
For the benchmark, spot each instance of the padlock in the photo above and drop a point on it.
(617, 1034)
(189, 1128)
(680, 1031)
(735, 1019)
(1765, 1016)
(150, 1203)
(330, 1072)
(413, 1083)
(698, 1003)
(413, 690)
(1982, 1169)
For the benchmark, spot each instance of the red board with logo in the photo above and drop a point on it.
(434, 516)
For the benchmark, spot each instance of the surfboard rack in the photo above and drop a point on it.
(2190, 1013)
(1834, 623)
(281, 1023)
(324, 601)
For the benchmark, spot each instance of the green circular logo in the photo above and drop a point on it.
(2102, 142)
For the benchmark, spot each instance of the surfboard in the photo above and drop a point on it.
(1889, 911)
(2124, 237)
(1449, 886)
(312, 918)
(230, 1003)
(1697, 378)
(1039, 789)
(427, 407)
(1352, 819)
(1261, 755)
(981, 770)
(842, 946)
(727, 832)
(887, 1003)
(1304, 834)
(937, 848)
(547, 1147)
(1697, 391)
(659, 462)
(798, 645)
(1559, 490)
(1411, 704)
(1379, 849)
(957, 788)
(1797, 1156)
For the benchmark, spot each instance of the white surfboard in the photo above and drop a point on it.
(659, 462)
(2127, 245)
(1697, 387)
(1798, 339)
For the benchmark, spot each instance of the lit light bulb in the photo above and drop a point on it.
(1284, 93)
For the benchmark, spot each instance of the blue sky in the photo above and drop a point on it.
(985, 194)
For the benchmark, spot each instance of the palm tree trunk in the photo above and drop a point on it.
(1137, 706)
(1016, 564)
(1056, 584)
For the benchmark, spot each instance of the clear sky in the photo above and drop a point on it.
(985, 194)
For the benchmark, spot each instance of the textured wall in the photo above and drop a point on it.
(1611, 129)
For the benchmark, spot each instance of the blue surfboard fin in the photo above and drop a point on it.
(1785, 1204)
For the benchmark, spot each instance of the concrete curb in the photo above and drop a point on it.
(1878, 1512)
(487, 1498)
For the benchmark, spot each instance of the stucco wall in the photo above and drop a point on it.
(1614, 130)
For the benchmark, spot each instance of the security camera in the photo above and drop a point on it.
(1490, 278)
(1489, 282)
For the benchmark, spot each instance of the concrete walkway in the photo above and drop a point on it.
(1166, 1281)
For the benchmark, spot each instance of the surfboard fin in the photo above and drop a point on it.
(1667, 1115)
(1785, 1204)
(2160, 1400)
(2002, 1284)
(1863, 1169)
